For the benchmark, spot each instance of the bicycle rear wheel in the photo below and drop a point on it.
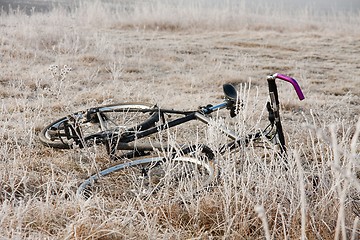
(191, 171)
(92, 123)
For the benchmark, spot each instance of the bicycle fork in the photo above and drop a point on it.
(273, 108)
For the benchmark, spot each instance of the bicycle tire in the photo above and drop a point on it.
(54, 135)
(146, 176)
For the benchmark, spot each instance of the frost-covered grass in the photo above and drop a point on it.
(178, 54)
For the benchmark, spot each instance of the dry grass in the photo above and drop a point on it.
(179, 56)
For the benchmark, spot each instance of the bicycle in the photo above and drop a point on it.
(121, 126)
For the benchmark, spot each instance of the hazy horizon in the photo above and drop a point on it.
(316, 6)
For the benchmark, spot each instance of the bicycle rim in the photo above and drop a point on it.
(150, 176)
(89, 124)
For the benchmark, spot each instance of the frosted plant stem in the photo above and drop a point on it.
(355, 231)
(302, 196)
(340, 224)
(261, 213)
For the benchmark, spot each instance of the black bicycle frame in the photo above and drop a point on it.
(126, 140)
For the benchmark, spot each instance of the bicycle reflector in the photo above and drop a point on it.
(230, 92)
(231, 98)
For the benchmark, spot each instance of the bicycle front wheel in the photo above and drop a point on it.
(89, 124)
(190, 172)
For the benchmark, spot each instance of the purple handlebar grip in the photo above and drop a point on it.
(293, 82)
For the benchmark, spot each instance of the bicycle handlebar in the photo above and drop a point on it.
(231, 94)
(290, 80)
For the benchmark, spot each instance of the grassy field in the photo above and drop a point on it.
(178, 54)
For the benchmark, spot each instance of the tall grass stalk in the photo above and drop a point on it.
(262, 215)
(302, 195)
